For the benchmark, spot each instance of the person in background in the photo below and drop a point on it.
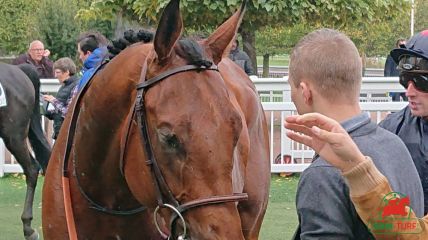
(37, 56)
(411, 123)
(391, 70)
(65, 72)
(92, 48)
(325, 77)
(367, 186)
(241, 58)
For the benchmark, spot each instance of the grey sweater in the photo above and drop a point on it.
(324, 208)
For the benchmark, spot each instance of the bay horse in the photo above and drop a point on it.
(19, 121)
(162, 143)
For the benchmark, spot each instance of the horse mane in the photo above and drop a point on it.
(129, 37)
(190, 50)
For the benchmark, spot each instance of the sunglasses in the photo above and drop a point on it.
(420, 81)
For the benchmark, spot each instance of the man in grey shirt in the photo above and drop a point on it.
(325, 77)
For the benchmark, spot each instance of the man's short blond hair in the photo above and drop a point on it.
(329, 60)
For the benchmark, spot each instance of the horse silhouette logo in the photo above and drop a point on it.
(394, 215)
(396, 207)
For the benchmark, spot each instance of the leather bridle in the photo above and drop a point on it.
(165, 198)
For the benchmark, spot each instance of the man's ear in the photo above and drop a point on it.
(306, 92)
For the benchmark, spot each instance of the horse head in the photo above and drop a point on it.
(187, 134)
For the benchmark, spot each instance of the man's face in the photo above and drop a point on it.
(82, 55)
(36, 51)
(418, 101)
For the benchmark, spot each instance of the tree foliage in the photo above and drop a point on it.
(264, 15)
(421, 15)
(373, 25)
(59, 27)
(280, 40)
(16, 25)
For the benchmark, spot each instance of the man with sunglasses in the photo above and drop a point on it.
(411, 123)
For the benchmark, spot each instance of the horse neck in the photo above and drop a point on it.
(102, 120)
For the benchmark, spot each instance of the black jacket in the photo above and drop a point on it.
(63, 95)
(414, 133)
(390, 68)
(243, 60)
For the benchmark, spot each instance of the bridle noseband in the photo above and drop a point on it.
(165, 198)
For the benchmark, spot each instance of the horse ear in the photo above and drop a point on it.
(169, 30)
(220, 40)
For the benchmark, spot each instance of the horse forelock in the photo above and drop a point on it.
(192, 52)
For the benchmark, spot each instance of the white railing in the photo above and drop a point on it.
(276, 98)
(289, 156)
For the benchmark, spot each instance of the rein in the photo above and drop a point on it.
(69, 143)
(165, 198)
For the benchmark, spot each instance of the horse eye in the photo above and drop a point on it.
(172, 141)
(169, 140)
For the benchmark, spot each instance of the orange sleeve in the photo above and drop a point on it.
(368, 188)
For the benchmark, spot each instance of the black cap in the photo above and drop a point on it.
(417, 46)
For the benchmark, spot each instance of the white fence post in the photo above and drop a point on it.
(2, 158)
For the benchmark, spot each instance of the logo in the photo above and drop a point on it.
(394, 216)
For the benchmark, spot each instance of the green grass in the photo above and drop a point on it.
(280, 60)
(280, 221)
(12, 193)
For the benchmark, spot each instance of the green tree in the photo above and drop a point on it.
(16, 25)
(421, 15)
(272, 41)
(59, 27)
(339, 14)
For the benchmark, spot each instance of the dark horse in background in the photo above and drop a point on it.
(161, 126)
(21, 119)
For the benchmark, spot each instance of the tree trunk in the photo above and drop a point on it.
(123, 24)
(266, 65)
(249, 43)
(118, 31)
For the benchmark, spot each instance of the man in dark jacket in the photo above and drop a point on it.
(241, 58)
(411, 123)
(392, 71)
(325, 77)
(37, 56)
